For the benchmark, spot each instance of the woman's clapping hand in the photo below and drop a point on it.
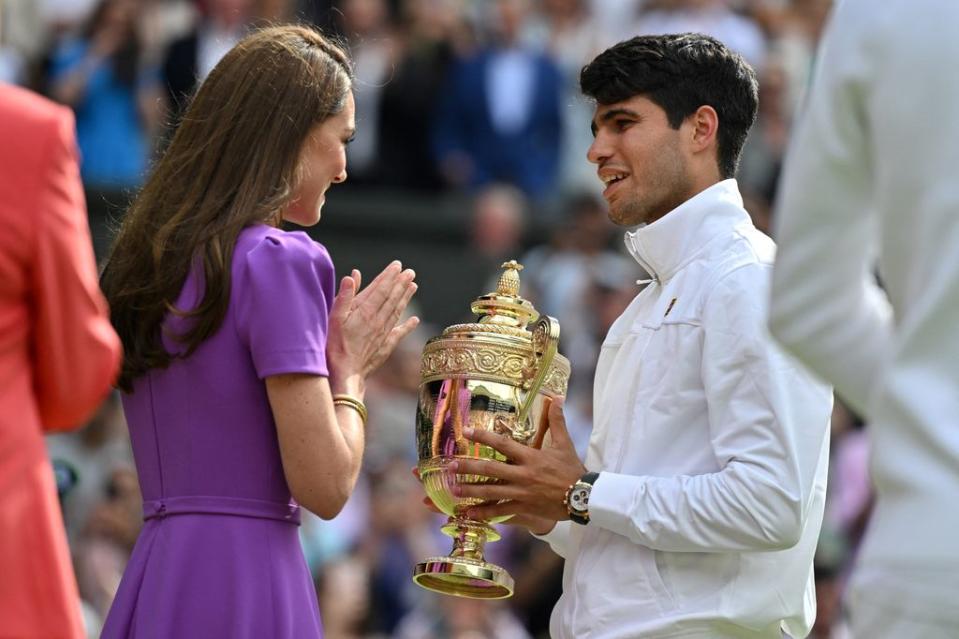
(365, 324)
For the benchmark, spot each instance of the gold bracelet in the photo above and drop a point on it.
(352, 402)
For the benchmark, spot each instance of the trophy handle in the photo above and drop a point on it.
(545, 345)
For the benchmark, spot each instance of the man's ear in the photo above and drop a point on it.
(703, 129)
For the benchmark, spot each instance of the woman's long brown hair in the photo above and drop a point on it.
(232, 163)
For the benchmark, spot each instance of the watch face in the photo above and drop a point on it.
(579, 499)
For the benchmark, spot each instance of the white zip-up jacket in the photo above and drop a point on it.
(712, 446)
(872, 179)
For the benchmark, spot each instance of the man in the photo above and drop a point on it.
(58, 356)
(872, 173)
(190, 59)
(499, 118)
(698, 509)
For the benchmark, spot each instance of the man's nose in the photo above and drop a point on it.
(598, 150)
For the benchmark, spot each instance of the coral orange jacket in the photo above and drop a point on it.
(58, 356)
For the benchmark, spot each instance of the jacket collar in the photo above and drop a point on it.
(671, 242)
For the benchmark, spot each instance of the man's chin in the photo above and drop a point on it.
(621, 215)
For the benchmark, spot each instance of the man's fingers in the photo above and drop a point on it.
(489, 511)
(514, 451)
(557, 424)
(486, 468)
(488, 492)
(429, 504)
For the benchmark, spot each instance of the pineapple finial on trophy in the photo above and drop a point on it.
(509, 280)
(504, 306)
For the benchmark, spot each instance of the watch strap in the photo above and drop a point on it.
(589, 479)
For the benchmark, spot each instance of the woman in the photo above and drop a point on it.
(244, 376)
(101, 75)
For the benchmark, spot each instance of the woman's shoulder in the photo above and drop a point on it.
(263, 244)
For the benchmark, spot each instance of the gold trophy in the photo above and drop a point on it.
(497, 374)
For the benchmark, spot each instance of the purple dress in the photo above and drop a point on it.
(219, 554)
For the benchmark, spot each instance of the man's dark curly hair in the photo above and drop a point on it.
(680, 73)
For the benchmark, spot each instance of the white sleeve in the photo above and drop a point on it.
(826, 307)
(558, 538)
(769, 432)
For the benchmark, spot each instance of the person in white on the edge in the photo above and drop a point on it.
(873, 174)
(697, 511)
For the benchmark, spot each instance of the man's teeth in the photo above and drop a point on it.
(609, 179)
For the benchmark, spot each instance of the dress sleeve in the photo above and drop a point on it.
(286, 292)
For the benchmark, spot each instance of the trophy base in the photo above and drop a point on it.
(463, 577)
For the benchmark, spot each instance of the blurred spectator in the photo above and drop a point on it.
(93, 454)
(797, 31)
(457, 618)
(343, 591)
(324, 541)
(559, 275)
(114, 97)
(373, 48)
(401, 533)
(20, 22)
(617, 18)
(104, 547)
(712, 17)
(612, 286)
(58, 356)
(431, 31)
(495, 236)
(274, 11)
(499, 115)
(317, 12)
(849, 499)
(62, 13)
(538, 573)
(393, 392)
(765, 147)
(189, 59)
(567, 30)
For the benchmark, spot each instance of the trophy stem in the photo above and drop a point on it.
(465, 572)
(469, 537)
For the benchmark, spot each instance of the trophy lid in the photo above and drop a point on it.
(508, 343)
(504, 306)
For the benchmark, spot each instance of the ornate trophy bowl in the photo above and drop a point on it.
(496, 374)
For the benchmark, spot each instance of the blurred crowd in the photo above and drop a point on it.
(477, 97)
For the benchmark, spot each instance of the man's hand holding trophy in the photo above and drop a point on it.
(489, 392)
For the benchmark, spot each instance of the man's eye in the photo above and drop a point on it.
(622, 125)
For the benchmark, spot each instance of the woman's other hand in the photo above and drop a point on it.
(365, 325)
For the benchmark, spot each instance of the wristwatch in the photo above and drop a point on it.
(577, 498)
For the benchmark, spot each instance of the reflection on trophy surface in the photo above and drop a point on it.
(497, 374)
